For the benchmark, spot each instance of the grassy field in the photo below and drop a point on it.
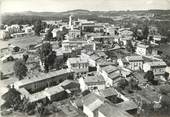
(22, 42)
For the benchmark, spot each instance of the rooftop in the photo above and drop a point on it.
(94, 79)
(142, 46)
(94, 57)
(109, 69)
(37, 96)
(134, 58)
(54, 90)
(93, 101)
(157, 63)
(40, 77)
(77, 60)
(114, 75)
(106, 63)
(107, 92)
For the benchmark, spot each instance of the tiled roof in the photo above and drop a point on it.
(94, 57)
(37, 96)
(114, 75)
(40, 77)
(134, 58)
(77, 60)
(92, 101)
(54, 90)
(157, 63)
(107, 92)
(109, 69)
(94, 79)
(142, 46)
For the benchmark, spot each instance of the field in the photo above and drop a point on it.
(22, 42)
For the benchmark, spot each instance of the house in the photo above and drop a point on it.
(107, 92)
(78, 65)
(135, 62)
(104, 63)
(91, 103)
(15, 28)
(111, 74)
(70, 85)
(55, 31)
(102, 39)
(92, 82)
(108, 110)
(28, 29)
(111, 30)
(143, 50)
(4, 35)
(37, 97)
(158, 67)
(75, 33)
(124, 40)
(93, 60)
(68, 45)
(55, 93)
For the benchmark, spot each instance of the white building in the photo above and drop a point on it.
(111, 74)
(91, 103)
(135, 62)
(142, 49)
(4, 34)
(78, 65)
(54, 32)
(75, 33)
(13, 29)
(28, 29)
(69, 45)
(92, 82)
(158, 67)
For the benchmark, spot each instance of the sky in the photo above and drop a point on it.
(94, 5)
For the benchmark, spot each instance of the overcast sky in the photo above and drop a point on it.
(64, 5)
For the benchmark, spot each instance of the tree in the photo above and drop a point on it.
(122, 83)
(20, 69)
(25, 57)
(133, 84)
(166, 75)
(129, 46)
(49, 35)
(12, 98)
(47, 56)
(149, 76)
(51, 59)
(37, 27)
(45, 50)
(145, 32)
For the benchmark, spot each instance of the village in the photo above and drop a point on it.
(83, 68)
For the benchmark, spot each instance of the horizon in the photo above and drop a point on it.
(17, 6)
(85, 10)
